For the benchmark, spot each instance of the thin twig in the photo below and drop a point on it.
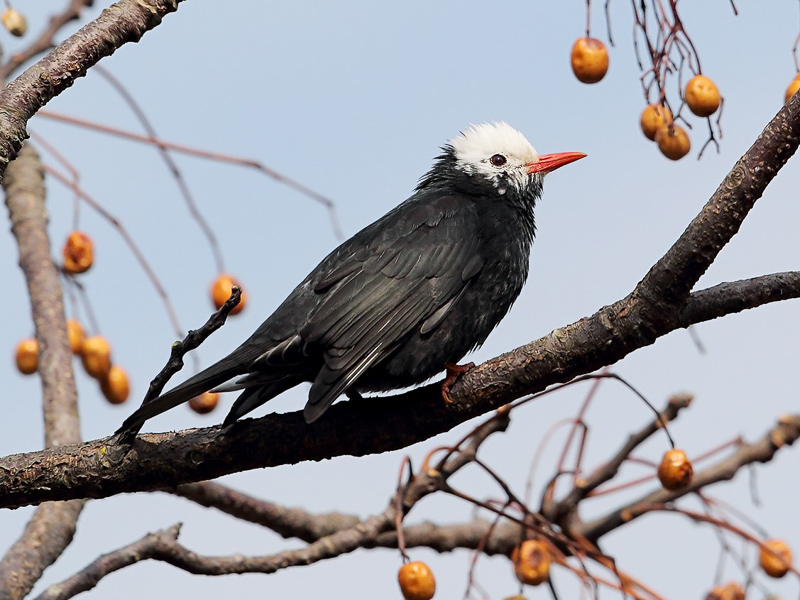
(245, 162)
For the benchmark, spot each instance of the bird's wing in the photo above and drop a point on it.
(403, 280)
(399, 275)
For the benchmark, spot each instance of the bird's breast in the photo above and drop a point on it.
(481, 306)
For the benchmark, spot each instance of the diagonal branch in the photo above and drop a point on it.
(46, 38)
(101, 468)
(784, 433)
(164, 546)
(123, 22)
(672, 278)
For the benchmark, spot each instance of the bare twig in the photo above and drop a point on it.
(556, 511)
(784, 433)
(176, 173)
(129, 241)
(216, 156)
(286, 522)
(193, 339)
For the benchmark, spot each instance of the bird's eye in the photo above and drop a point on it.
(498, 160)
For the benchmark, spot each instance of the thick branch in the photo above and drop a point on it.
(52, 526)
(99, 468)
(652, 310)
(736, 296)
(45, 40)
(164, 546)
(123, 22)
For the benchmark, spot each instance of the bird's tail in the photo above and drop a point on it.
(216, 374)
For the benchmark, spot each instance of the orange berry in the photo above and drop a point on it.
(653, 118)
(115, 386)
(221, 291)
(731, 591)
(531, 561)
(793, 87)
(673, 141)
(78, 253)
(589, 60)
(204, 403)
(15, 22)
(76, 336)
(775, 558)
(28, 356)
(416, 581)
(96, 356)
(702, 96)
(675, 471)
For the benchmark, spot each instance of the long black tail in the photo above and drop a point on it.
(209, 378)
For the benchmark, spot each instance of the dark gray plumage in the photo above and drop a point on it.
(405, 296)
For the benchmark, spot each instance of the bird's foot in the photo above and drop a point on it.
(454, 371)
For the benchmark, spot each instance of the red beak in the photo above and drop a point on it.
(550, 162)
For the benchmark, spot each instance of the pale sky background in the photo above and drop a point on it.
(354, 99)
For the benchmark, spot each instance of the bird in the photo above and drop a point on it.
(406, 297)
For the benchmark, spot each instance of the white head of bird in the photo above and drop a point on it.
(502, 155)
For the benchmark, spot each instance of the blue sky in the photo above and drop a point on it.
(354, 100)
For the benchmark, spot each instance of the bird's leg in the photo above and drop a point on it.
(454, 371)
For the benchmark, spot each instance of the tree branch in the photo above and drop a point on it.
(45, 40)
(736, 296)
(100, 468)
(52, 526)
(557, 511)
(785, 433)
(287, 522)
(123, 22)
(164, 546)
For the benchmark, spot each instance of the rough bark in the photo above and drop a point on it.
(52, 526)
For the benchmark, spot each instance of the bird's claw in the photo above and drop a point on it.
(454, 371)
